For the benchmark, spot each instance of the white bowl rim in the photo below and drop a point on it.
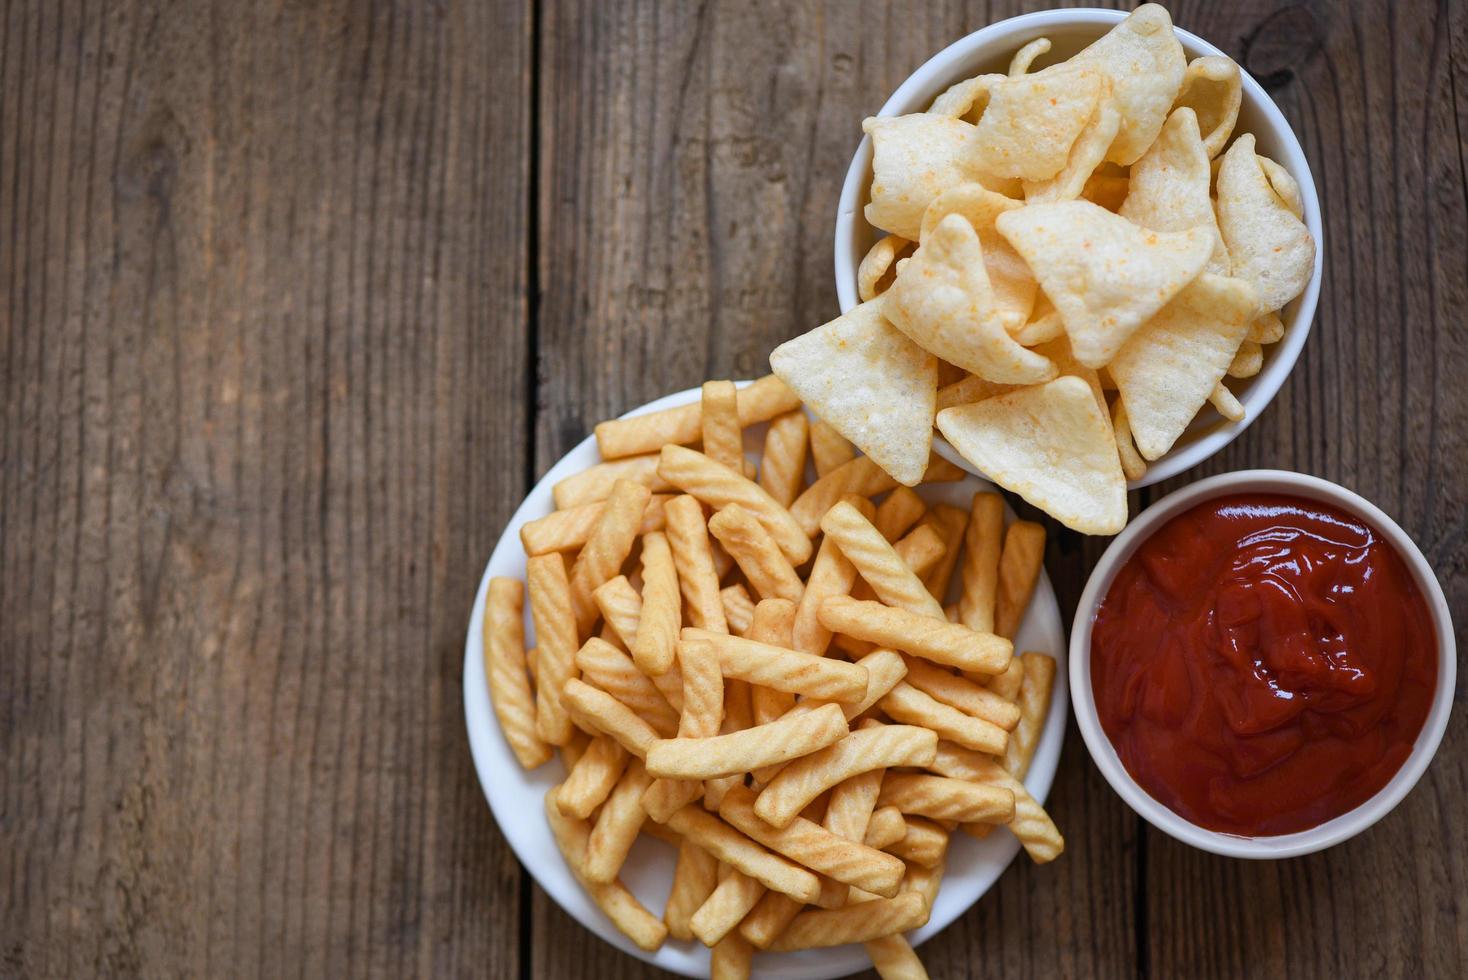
(1333, 831)
(1261, 389)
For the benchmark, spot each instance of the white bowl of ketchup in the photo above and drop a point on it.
(1262, 664)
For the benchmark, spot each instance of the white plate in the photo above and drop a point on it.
(516, 797)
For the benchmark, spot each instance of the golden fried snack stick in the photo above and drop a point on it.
(1133, 466)
(731, 959)
(739, 852)
(610, 543)
(831, 574)
(621, 607)
(938, 640)
(1006, 683)
(959, 692)
(616, 826)
(504, 667)
(723, 439)
(567, 530)
(942, 798)
(573, 750)
(857, 923)
(719, 486)
(662, 608)
(871, 274)
(983, 542)
(729, 902)
(739, 752)
(629, 915)
(1226, 402)
(757, 402)
(605, 667)
(532, 667)
(922, 550)
(1031, 824)
(595, 483)
(829, 448)
(693, 556)
(894, 958)
(1034, 707)
(950, 523)
(774, 620)
(756, 554)
(878, 562)
(694, 878)
(899, 513)
(801, 781)
(596, 710)
(592, 777)
(1019, 569)
(555, 634)
(769, 917)
(784, 669)
(845, 861)
(849, 811)
(738, 608)
(782, 465)
(860, 477)
(703, 713)
(907, 704)
(885, 828)
(925, 843)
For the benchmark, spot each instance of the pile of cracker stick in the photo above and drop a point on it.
(763, 673)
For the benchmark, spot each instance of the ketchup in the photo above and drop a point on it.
(1263, 663)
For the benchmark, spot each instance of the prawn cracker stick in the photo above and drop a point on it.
(723, 439)
(1034, 706)
(662, 608)
(596, 710)
(861, 477)
(509, 686)
(610, 543)
(756, 554)
(555, 635)
(925, 843)
(738, 608)
(567, 530)
(731, 958)
(757, 402)
(801, 781)
(849, 809)
(894, 958)
(829, 448)
(922, 550)
(739, 752)
(1019, 569)
(742, 854)
(616, 826)
(983, 542)
(774, 620)
(877, 562)
(621, 607)
(782, 464)
(693, 557)
(595, 483)
(938, 640)
(725, 906)
(942, 798)
(857, 923)
(906, 703)
(592, 777)
(1031, 824)
(703, 691)
(846, 861)
(832, 573)
(885, 828)
(629, 915)
(694, 878)
(605, 667)
(1005, 684)
(961, 693)
(769, 917)
(899, 513)
(784, 669)
(719, 486)
(950, 523)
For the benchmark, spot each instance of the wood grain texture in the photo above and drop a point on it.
(262, 414)
(295, 299)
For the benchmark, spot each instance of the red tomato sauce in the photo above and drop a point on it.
(1263, 663)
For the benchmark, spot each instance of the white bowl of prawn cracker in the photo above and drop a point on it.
(990, 50)
(517, 796)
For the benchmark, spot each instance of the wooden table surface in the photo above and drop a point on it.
(298, 299)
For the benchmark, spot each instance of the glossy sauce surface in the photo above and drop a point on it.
(1263, 663)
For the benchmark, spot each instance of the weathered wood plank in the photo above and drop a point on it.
(262, 306)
